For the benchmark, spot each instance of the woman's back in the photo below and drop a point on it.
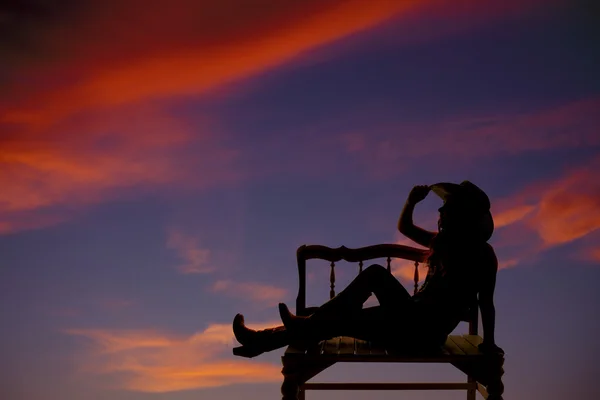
(456, 272)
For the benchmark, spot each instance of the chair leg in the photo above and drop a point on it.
(471, 393)
(292, 379)
(495, 388)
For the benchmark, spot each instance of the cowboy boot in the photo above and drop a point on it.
(255, 342)
(319, 326)
(337, 310)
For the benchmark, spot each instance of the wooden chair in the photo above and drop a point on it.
(300, 364)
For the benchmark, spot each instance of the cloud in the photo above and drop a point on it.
(594, 254)
(504, 264)
(542, 215)
(196, 259)
(195, 46)
(47, 175)
(90, 127)
(404, 270)
(551, 213)
(512, 215)
(570, 208)
(250, 291)
(19, 221)
(467, 139)
(570, 125)
(151, 361)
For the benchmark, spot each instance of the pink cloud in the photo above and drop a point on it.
(466, 139)
(197, 260)
(250, 291)
(570, 125)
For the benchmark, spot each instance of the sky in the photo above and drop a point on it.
(161, 161)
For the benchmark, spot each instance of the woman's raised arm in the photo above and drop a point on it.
(405, 222)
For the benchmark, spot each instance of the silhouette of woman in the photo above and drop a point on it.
(462, 269)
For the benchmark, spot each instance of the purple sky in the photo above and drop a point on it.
(160, 163)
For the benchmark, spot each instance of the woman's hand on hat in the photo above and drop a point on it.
(418, 193)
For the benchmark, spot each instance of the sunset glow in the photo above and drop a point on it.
(161, 161)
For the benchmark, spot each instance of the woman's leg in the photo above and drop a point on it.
(365, 324)
(347, 305)
(376, 280)
(255, 342)
(342, 315)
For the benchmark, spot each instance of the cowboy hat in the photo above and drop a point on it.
(472, 200)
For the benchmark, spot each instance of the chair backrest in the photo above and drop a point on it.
(360, 255)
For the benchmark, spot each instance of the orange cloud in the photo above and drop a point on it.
(112, 53)
(540, 216)
(570, 208)
(511, 262)
(208, 57)
(88, 128)
(100, 156)
(551, 213)
(405, 271)
(150, 361)
(512, 215)
(88, 131)
(251, 291)
(197, 259)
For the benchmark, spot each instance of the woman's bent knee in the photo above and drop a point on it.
(375, 269)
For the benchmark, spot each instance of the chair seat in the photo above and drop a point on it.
(346, 349)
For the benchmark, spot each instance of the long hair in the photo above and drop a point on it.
(456, 243)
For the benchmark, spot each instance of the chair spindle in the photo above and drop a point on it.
(416, 277)
(389, 264)
(360, 266)
(332, 281)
